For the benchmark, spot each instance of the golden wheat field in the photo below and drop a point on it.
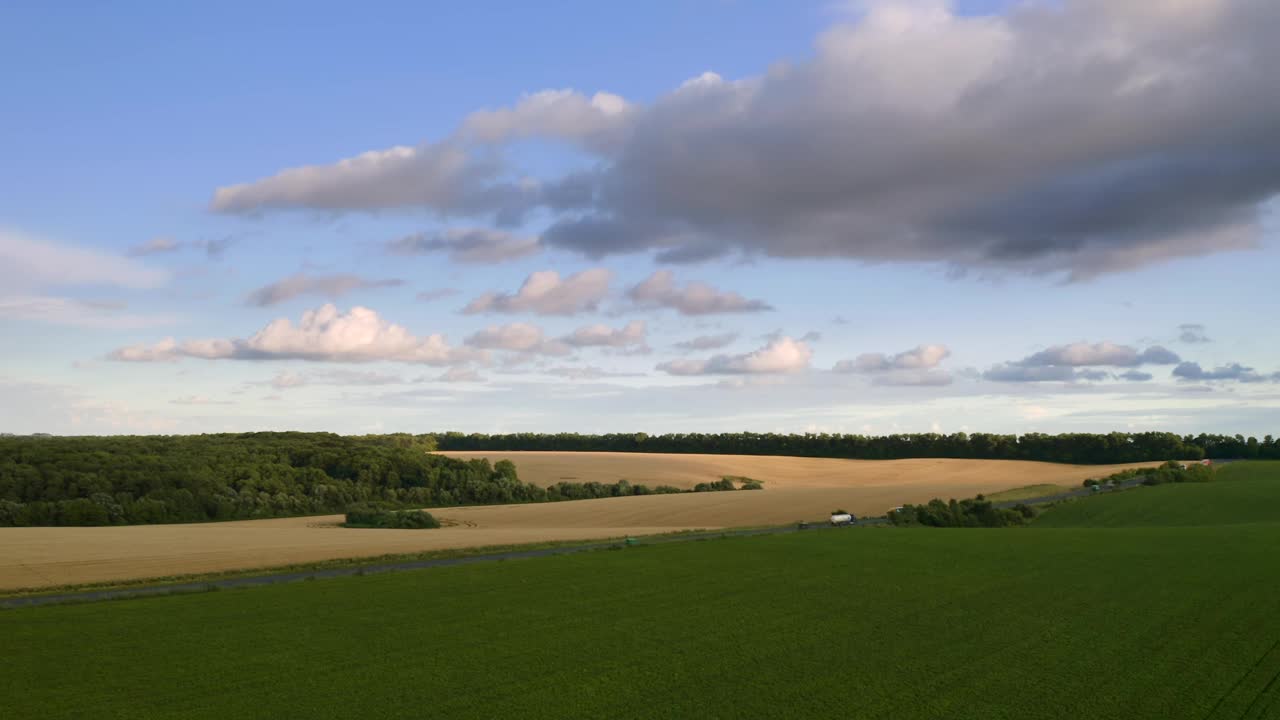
(795, 489)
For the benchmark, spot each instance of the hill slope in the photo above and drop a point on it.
(1247, 492)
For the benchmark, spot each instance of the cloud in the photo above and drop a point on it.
(323, 334)
(1014, 373)
(155, 246)
(1192, 333)
(784, 355)
(914, 378)
(942, 153)
(922, 357)
(708, 342)
(544, 293)
(1076, 138)
(441, 176)
(1103, 353)
(474, 245)
(1192, 372)
(517, 337)
(660, 290)
(214, 248)
(78, 313)
(329, 286)
(585, 373)
(199, 400)
(1135, 376)
(458, 375)
(436, 294)
(596, 123)
(1080, 361)
(27, 262)
(631, 334)
(287, 379)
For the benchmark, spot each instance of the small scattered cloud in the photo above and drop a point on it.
(460, 375)
(586, 373)
(1080, 362)
(468, 245)
(630, 335)
(1135, 376)
(436, 294)
(108, 314)
(288, 379)
(199, 400)
(1101, 354)
(328, 286)
(782, 356)
(922, 357)
(1231, 372)
(517, 337)
(1192, 333)
(659, 290)
(707, 342)
(155, 246)
(545, 293)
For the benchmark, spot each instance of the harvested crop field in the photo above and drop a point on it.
(795, 489)
(944, 476)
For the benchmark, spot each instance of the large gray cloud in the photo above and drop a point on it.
(328, 286)
(1080, 136)
(1086, 136)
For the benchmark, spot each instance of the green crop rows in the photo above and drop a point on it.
(1176, 619)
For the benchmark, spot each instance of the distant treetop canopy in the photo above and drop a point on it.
(1079, 448)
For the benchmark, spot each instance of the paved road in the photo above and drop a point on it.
(277, 578)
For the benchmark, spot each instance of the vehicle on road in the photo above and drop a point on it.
(843, 518)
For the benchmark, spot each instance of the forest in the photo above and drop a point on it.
(134, 480)
(1080, 448)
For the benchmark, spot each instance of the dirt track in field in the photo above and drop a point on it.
(795, 489)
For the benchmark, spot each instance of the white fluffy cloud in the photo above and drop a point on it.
(328, 286)
(783, 355)
(659, 290)
(323, 334)
(544, 293)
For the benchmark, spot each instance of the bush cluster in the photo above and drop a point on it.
(971, 512)
(376, 515)
(1170, 472)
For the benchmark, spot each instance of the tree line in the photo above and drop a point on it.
(1080, 448)
(130, 480)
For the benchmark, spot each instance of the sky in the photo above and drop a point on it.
(874, 217)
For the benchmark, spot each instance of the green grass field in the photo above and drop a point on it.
(1029, 491)
(1241, 493)
(1173, 619)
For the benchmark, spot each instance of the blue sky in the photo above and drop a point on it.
(876, 217)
